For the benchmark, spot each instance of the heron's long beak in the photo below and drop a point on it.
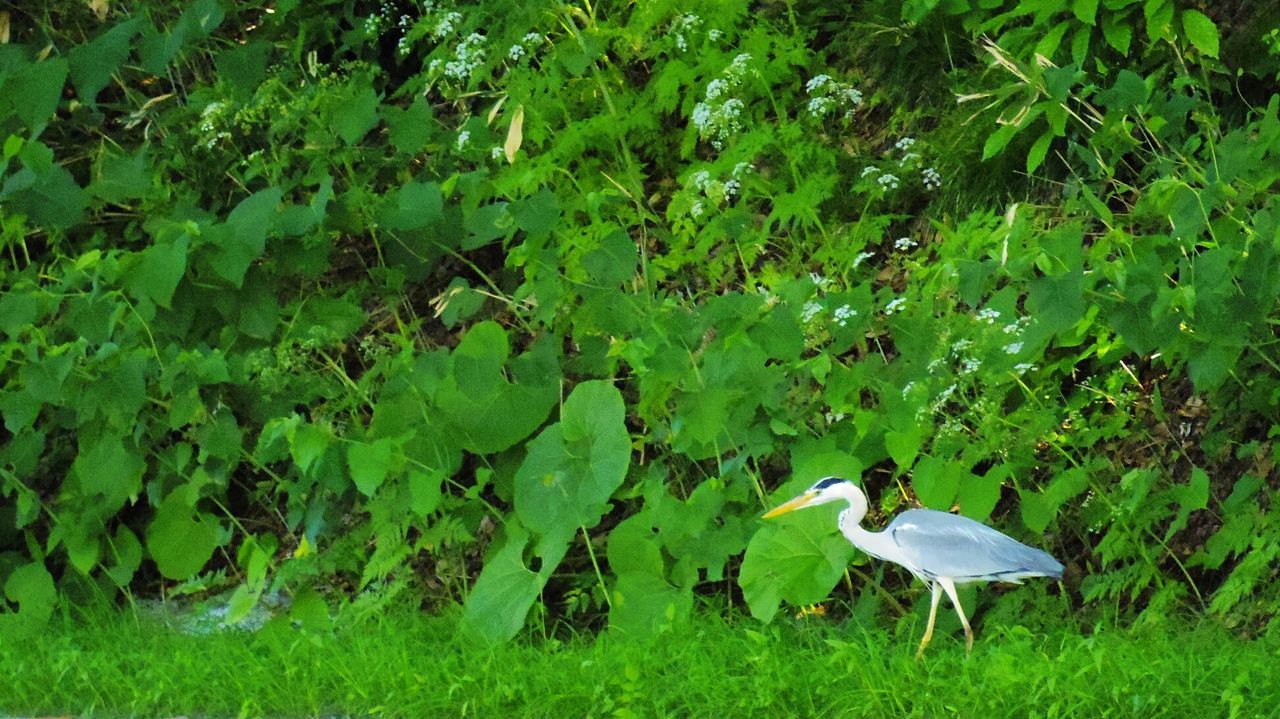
(798, 503)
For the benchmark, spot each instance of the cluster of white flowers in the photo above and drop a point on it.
(718, 116)
(833, 417)
(895, 305)
(1017, 325)
(932, 180)
(526, 44)
(468, 55)
(843, 314)
(822, 283)
(495, 152)
(906, 389)
(1013, 348)
(697, 209)
(209, 118)
(464, 138)
(989, 315)
(810, 310)
(714, 34)
(1024, 367)
(943, 396)
(715, 190)
(446, 24)
(970, 365)
(684, 24)
(904, 243)
(826, 94)
(860, 258)
(908, 162)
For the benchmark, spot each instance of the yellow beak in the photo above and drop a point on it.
(798, 503)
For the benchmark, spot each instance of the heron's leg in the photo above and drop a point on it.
(933, 614)
(950, 586)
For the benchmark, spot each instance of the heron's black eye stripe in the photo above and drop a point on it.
(824, 483)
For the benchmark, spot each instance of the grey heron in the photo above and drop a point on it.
(939, 548)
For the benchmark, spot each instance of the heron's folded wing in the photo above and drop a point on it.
(949, 545)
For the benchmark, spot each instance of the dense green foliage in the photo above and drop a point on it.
(535, 306)
(402, 665)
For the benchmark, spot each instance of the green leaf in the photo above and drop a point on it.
(1127, 92)
(245, 234)
(369, 464)
(998, 140)
(125, 551)
(122, 177)
(978, 496)
(1118, 31)
(161, 268)
(1201, 31)
(536, 215)
(49, 197)
(17, 312)
(1057, 302)
(574, 466)
(1159, 14)
(179, 539)
(108, 469)
(1038, 151)
(411, 128)
(34, 91)
(307, 444)
(1190, 496)
(418, 204)
(1085, 10)
(93, 63)
(244, 66)
(797, 559)
(356, 116)
(903, 446)
(937, 481)
(505, 590)
(425, 491)
(31, 587)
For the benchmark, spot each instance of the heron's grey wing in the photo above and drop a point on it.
(949, 545)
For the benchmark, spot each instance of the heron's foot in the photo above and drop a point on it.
(968, 641)
(923, 643)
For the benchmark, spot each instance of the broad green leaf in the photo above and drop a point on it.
(536, 215)
(307, 444)
(369, 464)
(574, 466)
(108, 469)
(245, 234)
(1057, 302)
(1210, 363)
(1190, 496)
(643, 605)
(124, 553)
(49, 197)
(425, 491)
(903, 446)
(31, 587)
(409, 129)
(1085, 10)
(1159, 14)
(937, 481)
(121, 177)
(1201, 31)
(978, 496)
(797, 558)
(505, 590)
(509, 411)
(17, 312)
(418, 204)
(161, 268)
(180, 539)
(356, 116)
(33, 92)
(1118, 31)
(244, 66)
(93, 63)
(997, 140)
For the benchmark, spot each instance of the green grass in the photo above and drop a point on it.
(406, 664)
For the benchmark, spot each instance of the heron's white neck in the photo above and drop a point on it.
(877, 544)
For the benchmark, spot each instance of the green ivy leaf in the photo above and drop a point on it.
(356, 116)
(411, 128)
(180, 539)
(107, 469)
(1201, 31)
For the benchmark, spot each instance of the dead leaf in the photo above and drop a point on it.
(515, 135)
(100, 8)
(4, 27)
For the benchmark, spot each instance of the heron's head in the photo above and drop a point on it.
(827, 489)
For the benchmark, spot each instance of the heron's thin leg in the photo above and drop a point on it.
(933, 614)
(950, 586)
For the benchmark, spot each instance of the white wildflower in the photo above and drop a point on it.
(495, 152)
(463, 138)
(861, 257)
(515, 52)
(820, 106)
(932, 180)
(869, 170)
(904, 144)
(904, 243)
(816, 83)
(819, 281)
(701, 180)
(1013, 348)
(843, 314)
(888, 182)
(906, 390)
(697, 209)
(717, 87)
(809, 311)
(446, 24)
(1023, 367)
(895, 305)
(713, 34)
(741, 169)
(970, 365)
(731, 188)
(989, 315)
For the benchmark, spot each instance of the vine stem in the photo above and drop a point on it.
(595, 563)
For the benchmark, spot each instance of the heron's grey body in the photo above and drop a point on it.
(939, 544)
(941, 549)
